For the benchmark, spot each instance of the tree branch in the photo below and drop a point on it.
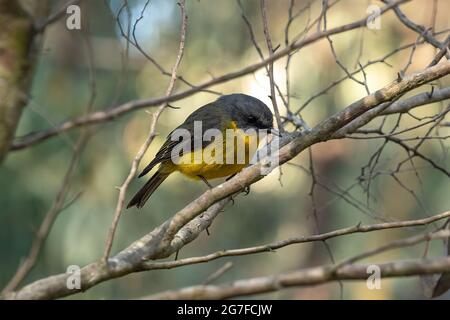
(111, 113)
(417, 28)
(150, 265)
(306, 277)
(135, 165)
(160, 242)
(345, 270)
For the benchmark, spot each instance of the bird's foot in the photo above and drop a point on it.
(205, 181)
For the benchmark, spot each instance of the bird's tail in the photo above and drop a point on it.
(146, 191)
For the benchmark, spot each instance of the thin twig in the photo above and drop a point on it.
(113, 112)
(273, 96)
(137, 159)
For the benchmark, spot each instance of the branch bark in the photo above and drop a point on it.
(306, 277)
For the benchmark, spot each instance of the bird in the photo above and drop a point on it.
(238, 112)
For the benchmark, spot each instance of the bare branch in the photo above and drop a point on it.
(271, 247)
(271, 52)
(59, 202)
(305, 277)
(417, 28)
(18, 54)
(135, 165)
(162, 241)
(111, 113)
(58, 205)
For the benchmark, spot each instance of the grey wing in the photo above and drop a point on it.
(210, 116)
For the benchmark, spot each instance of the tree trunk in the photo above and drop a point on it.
(17, 59)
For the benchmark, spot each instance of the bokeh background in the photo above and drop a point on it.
(278, 207)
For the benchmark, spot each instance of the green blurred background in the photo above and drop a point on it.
(217, 42)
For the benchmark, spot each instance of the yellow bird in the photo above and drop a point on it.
(239, 113)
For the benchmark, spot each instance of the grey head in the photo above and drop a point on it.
(247, 111)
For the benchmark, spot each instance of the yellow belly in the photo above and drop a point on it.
(209, 171)
(218, 169)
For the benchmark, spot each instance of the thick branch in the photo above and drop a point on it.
(151, 265)
(44, 229)
(421, 99)
(306, 277)
(158, 243)
(345, 270)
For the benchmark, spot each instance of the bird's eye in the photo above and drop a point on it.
(251, 119)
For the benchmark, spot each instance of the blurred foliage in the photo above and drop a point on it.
(217, 42)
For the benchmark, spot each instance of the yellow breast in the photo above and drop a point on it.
(220, 158)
